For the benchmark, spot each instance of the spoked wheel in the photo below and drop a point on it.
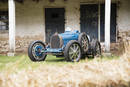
(73, 51)
(36, 51)
(96, 48)
(84, 42)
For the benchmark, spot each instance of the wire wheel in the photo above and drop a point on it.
(84, 42)
(73, 51)
(98, 50)
(36, 51)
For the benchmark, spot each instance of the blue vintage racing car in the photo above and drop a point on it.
(72, 45)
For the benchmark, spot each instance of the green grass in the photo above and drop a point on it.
(23, 62)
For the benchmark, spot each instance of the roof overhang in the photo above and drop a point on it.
(20, 1)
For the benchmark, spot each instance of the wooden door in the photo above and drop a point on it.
(54, 21)
(89, 19)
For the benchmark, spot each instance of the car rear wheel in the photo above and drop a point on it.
(73, 51)
(84, 42)
(96, 48)
(35, 51)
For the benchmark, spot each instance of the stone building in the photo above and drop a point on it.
(22, 21)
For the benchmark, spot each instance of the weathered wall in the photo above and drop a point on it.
(4, 45)
(30, 19)
(123, 19)
(123, 27)
(30, 16)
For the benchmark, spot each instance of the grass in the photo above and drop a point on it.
(23, 62)
(20, 71)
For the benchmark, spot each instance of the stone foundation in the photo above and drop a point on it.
(119, 47)
(22, 44)
(4, 45)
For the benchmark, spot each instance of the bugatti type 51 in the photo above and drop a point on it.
(72, 45)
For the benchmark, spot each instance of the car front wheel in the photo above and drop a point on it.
(35, 51)
(73, 51)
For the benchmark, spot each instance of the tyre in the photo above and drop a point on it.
(35, 51)
(84, 42)
(73, 51)
(96, 48)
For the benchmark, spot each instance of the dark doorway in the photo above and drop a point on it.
(89, 19)
(54, 21)
(113, 22)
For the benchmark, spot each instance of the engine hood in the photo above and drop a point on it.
(69, 35)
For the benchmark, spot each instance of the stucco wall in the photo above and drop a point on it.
(123, 19)
(30, 16)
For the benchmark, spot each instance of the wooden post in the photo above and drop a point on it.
(11, 9)
(107, 24)
(99, 21)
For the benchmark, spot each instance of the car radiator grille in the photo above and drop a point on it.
(56, 41)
